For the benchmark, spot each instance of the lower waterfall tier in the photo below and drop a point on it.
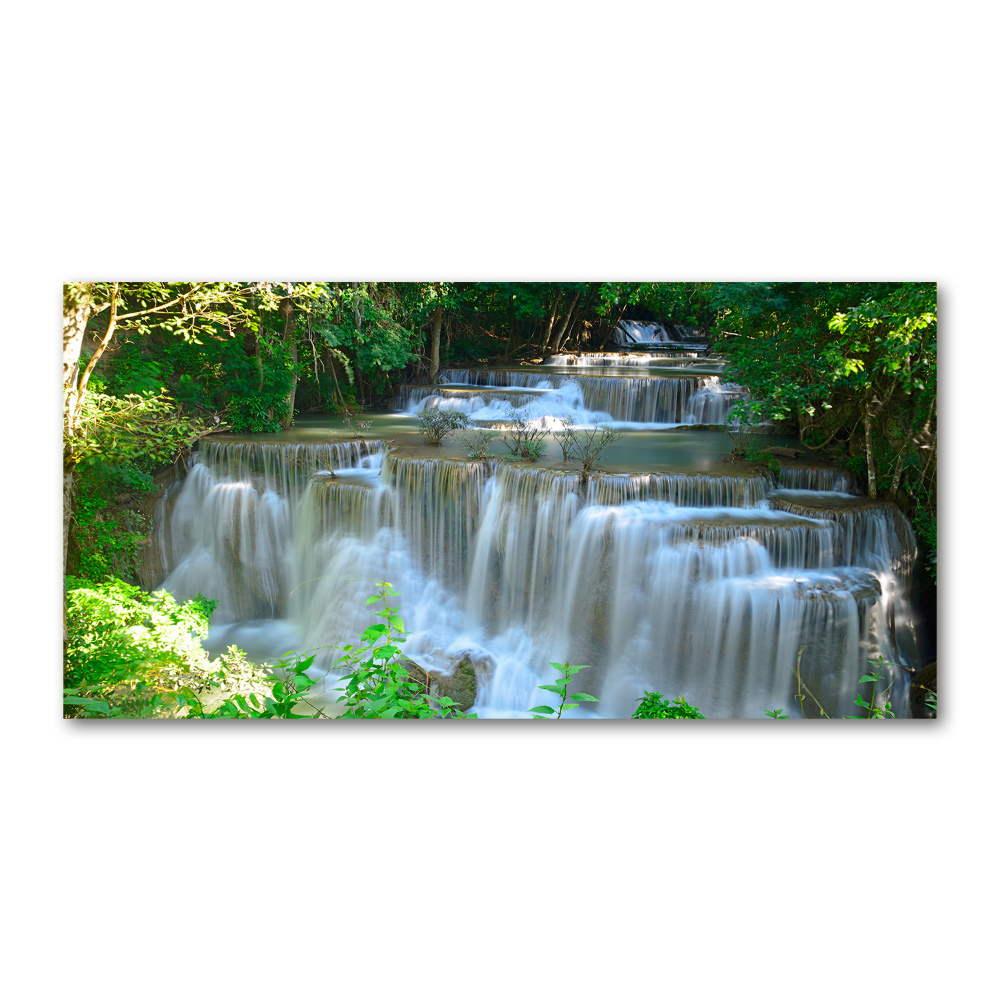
(708, 586)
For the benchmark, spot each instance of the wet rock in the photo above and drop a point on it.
(460, 684)
(923, 683)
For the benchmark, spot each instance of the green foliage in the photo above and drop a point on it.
(286, 696)
(435, 424)
(741, 424)
(378, 685)
(653, 706)
(108, 540)
(871, 705)
(478, 442)
(561, 690)
(585, 445)
(522, 440)
(140, 654)
(258, 413)
(925, 526)
(776, 713)
(827, 356)
(113, 429)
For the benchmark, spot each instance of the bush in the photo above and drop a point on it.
(258, 413)
(586, 445)
(133, 654)
(436, 424)
(477, 442)
(522, 440)
(652, 706)
(108, 535)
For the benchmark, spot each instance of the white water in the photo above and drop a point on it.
(553, 401)
(636, 332)
(603, 359)
(693, 585)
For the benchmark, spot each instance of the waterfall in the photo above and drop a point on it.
(630, 331)
(603, 359)
(583, 399)
(826, 480)
(712, 585)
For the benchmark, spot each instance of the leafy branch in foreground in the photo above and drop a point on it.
(561, 689)
(378, 684)
(872, 708)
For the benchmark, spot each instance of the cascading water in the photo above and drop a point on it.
(604, 359)
(583, 400)
(630, 331)
(711, 585)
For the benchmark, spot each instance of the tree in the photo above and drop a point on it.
(848, 362)
(146, 422)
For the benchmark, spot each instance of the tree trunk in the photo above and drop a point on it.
(896, 477)
(68, 485)
(613, 326)
(288, 335)
(564, 326)
(76, 312)
(436, 344)
(552, 320)
(869, 454)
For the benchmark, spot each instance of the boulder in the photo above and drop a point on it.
(459, 685)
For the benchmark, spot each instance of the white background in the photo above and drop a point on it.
(736, 141)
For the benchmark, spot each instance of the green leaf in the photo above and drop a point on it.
(580, 696)
(543, 708)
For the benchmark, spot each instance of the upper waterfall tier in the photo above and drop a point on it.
(630, 331)
(582, 399)
(824, 480)
(621, 359)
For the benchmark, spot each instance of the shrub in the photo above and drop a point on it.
(129, 653)
(586, 445)
(522, 440)
(477, 442)
(653, 706)
(435, 423)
